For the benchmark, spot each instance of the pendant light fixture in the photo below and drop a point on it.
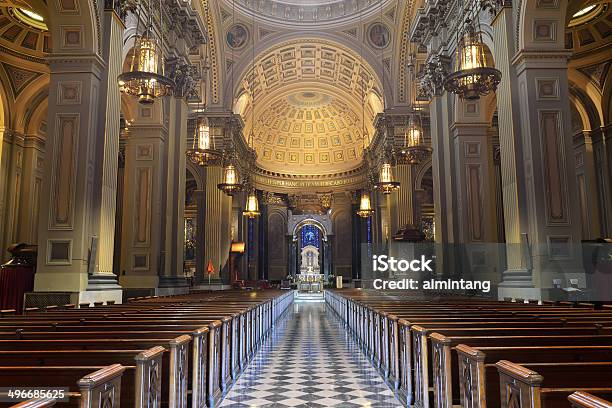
(365, 205)
(386, 183)
(474, 76)
(415, 150)
(251, 209)
(203, 152)
(145, 79)
(231, 179)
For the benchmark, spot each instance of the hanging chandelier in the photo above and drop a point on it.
(386, 184)
(251, 209)
(365, 205)
(203, 151)
(474, 76)
(415, 151)
(145, 79)
(231, 181)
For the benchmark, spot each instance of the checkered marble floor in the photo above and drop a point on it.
(310, 361)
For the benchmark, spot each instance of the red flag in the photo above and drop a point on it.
(210, 269)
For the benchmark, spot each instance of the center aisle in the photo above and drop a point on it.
(310, 361)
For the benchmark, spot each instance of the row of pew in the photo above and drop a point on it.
(476, 353)
(176, 351)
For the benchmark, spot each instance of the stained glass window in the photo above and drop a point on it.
(310, 236)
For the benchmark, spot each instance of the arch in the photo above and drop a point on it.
(243, 66)
(310, 221)
(38, 115)
(421, 171)
(196, 173)
(28, 100)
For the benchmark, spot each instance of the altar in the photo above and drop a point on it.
(310, 282)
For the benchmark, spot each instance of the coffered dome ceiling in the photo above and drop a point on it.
(308, 132)
(308, 109)
(308, 13)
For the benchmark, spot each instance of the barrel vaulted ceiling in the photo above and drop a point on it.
(309, 79)
(308, 115)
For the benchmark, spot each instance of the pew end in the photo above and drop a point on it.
(581, 399)
(519, 386)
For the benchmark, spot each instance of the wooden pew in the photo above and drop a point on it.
(376, 329)
(37, 403)
(521, 386)
(581, 399)
(100, 388)
(477, 380)
(246, 334)
(147, 364)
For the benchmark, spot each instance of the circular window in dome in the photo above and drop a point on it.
(30, 18)
(585, 14)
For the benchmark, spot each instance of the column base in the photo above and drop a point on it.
(102, 295)
(172, 285)
(172, 282)
(102, 281)
(517, 278)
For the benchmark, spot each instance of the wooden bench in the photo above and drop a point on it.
(89, 387)
(241, 323)
(550, 384)
(477, 380)
(581, 399)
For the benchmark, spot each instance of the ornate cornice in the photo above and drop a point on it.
(270, 181)
(186, 77)
(432, 78)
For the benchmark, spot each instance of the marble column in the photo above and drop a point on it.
(602, 155)
(475, 247)
(201, 263)
(518, 269)
(143, 202)
(71, 194)
(217, 228)
(591, 225)
(549, 167)
(107, 154)
(32, 175)
(172, 277)
(11, 163)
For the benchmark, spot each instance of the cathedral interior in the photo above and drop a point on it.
(210, 149)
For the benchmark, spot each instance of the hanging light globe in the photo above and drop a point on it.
(474, 76)
(386, 184)
(203, 150)
(145, 79)
(415, 151)
(231, 183)
(251, 209)
(365, 205)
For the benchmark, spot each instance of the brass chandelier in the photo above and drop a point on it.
(145, 78)
(203, 150)
(474, 76)
(251, 209)
(386, 183)
(365, 205)
(231, 180)
(415, 150)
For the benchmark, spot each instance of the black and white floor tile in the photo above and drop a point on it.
(310, 361)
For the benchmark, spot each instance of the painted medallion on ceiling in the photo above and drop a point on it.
(237, 36)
